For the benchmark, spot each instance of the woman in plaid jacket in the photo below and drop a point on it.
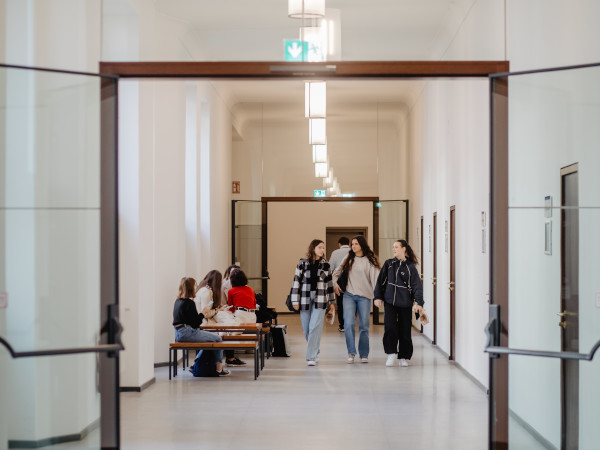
(312, 294)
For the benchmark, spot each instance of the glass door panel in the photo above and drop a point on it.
(549, 262)
(248, 242)
(54, 211)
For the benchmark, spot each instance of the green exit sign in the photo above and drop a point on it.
(320, 192)
(295, 50)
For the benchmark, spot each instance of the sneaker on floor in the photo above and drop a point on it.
(235, 362)
(364, 360)
(311, 363)
(391, 360)
(350, 359)
(403, 363)
(341, 329)
(224, 373)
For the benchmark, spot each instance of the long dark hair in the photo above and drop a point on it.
(410, 254)
(213, 280)
(310, 253)
(364, 246)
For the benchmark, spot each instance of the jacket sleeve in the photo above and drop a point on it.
(379, 292)
(297, 284)
(416, 285)
(329, 292)
(338, 272)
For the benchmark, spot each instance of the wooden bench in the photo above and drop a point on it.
(260, 332)
(252, 344)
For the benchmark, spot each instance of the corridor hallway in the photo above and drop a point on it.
(431, 404)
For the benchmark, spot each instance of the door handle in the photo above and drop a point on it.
(563, 324)
(433, 280)
(451, 286)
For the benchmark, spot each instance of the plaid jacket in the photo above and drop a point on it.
(301, 286)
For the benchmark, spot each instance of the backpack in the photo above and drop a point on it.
(205, 364)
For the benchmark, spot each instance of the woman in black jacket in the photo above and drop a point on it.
(399, 285)
(187, 320)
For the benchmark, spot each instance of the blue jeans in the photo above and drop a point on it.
(189, 334)
(352, 303)
(312, 326)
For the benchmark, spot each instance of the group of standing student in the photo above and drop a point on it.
(214, 300)
(397, 285)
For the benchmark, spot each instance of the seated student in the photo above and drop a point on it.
(227, 281)
(187, 320)
(242, 297)
(217, 313)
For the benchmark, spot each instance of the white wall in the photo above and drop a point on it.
(449, 166)
(288, 240)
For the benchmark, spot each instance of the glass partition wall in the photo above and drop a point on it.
(58, 258)
(549, 198)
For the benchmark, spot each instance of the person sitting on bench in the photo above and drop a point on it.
(241, 297)
(186, 321)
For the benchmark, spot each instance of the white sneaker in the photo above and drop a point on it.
(350, 359)
(311, 363)
(391, 360)
(403, 363)
(364, 360)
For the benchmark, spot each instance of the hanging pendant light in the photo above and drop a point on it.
(321, 170)
(315, 99)
(317, 132)
(306, 9)
(319, 153)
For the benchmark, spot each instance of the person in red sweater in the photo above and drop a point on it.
(241, 297)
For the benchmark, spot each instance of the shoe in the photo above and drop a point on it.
(403, 363)
(391, 360)
(350, 359)
(341, 329)
(311, 363)
(224, 373)
(364, 360)
(235, 362)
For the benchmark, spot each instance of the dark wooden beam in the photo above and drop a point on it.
(282, 69)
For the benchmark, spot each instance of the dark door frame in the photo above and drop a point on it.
(434, 279)
(452, 285)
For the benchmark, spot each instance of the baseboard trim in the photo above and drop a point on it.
(55, 439)
(532, 431)
(137, 388)
(472, 378)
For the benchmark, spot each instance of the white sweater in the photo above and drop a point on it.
(362, 277)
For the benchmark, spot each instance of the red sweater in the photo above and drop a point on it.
(241, 296)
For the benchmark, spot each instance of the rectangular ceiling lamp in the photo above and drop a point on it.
(319, 153)
(317, 132)
(306, 9)
(321, 170)
(315, 99)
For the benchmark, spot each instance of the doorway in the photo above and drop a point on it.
(569, 311)
(333, 234)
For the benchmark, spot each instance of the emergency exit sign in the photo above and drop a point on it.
(295, 50)
(320, 193)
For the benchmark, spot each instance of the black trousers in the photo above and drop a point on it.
(340, 309)
(397, 325)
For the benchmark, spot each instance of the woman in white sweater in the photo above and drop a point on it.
(362, 268)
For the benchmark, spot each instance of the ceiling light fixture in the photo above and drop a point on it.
(306, 9)
(321, 170)
(319, 153)
(315, 99)
(317, 132)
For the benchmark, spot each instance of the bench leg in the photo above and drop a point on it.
(170, 356)
(174, 362)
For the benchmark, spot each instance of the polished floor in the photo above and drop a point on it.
(429, 405)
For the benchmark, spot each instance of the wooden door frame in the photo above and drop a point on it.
(452, 285)
(283, 69)
(422, 263)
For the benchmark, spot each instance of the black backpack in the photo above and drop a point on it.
(205, 364)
